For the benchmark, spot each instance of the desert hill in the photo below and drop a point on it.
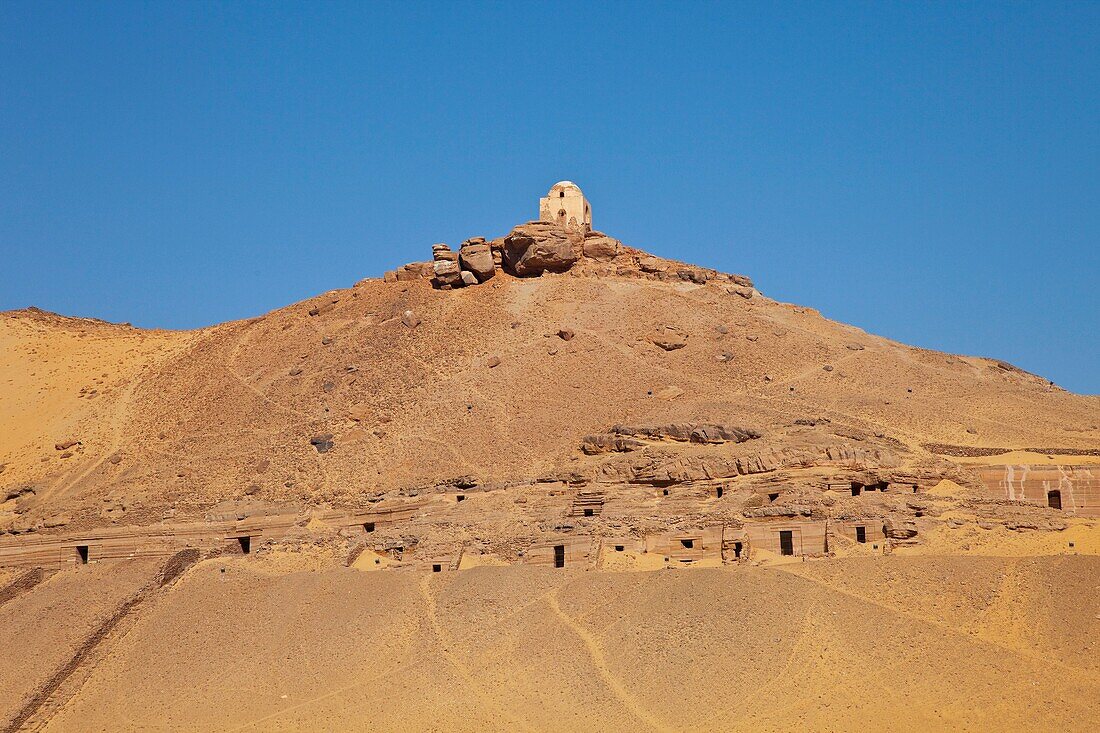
(415, 386)
(858, 533)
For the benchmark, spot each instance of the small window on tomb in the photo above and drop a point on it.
(718, 492)
(861, 534)
(773, 497)
(437, 568)
(664, 492)
(82, 554)
(857, 488)
(460, 497)
(1054, 499)
(368, 526)
(559, 556)
(245, 544)
(588, 511)
(620, 548)
(688, 544)
(737, 550)
(561, 194)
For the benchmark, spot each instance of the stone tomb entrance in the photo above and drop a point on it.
(786, 542)
(1054, 499)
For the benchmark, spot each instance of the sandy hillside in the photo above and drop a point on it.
(910, 644)
(183, 420)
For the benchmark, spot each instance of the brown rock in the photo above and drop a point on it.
(669, 338)
(600, 247)
(492, 361)
(323, 443)
(410, 319)
(538, 247)
(65, 445)
(566, 334)
(476, 257)
(744, 292)
(468, 278)
(443, 253)
(447, 272)
(414, 271)
(900, 530)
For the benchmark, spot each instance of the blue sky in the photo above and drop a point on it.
(929, 172)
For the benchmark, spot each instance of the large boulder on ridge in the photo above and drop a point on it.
(539, 246)
(477, 258)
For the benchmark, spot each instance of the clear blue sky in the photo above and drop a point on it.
(929, 172)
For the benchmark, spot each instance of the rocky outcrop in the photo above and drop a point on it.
(625, 438)
(900, 529)
(538, 247)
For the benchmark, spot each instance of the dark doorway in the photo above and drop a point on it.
(861, 534)
(588, 512)
(664, 492)
(1054, 499)
(856, 488)
(368, 526)
(786, 542)
(559, 556)
(460, 497)
(718, 492)
(737, 550)
(437, 568)
(688, 544)
(82, 554)
(620, 548)
(246, 544)
(773, 497)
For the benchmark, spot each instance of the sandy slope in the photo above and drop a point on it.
(910, 644)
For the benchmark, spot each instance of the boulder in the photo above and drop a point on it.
(741, 290)
(600, 247)
(669, 338)
(446, 273)
(538, 247)
(476, 257)
(414, 271)
(323, 443)
(443, 253)
(468, 278)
